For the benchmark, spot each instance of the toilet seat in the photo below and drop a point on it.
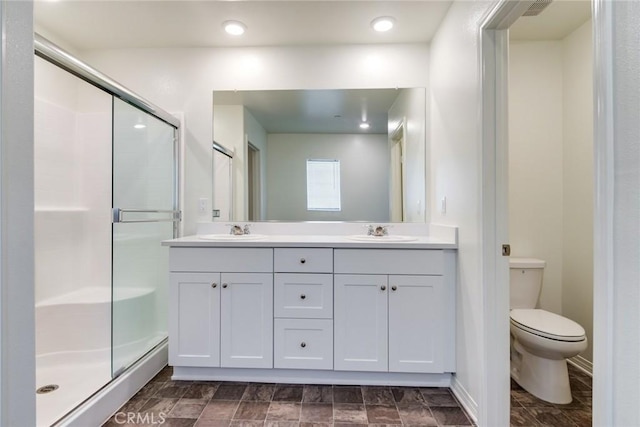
(548, 325)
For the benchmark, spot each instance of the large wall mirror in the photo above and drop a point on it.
(320, 155)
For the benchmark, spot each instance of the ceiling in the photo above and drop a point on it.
(314, 111)
(555, 22)
(114, 24)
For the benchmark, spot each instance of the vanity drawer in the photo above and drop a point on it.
(303, 260)
(303, 344)
(389, 261)
(308, 296)
(234, 260)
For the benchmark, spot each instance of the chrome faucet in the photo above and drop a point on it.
(378, 230)
(236, 230)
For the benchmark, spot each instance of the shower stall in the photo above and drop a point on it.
(106, 195)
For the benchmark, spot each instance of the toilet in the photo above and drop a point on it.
(541, 341)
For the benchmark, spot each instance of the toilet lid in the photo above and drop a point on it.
(548, 325)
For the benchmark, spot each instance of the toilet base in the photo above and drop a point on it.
(547, 379)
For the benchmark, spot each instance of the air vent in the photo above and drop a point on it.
(537, 7)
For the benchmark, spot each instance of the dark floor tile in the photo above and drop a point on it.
(219, 410)
(172, 389)
(349, 425)
(149, 389)
(440, 399)
(316, 413)
(175, 422)
(434, 390)
(246, 423)
(580, 417)
(378, 396)
(514, 402)
(229, 392)
(284, 411)
(202, 422)
(158, 406)
(576, 403)
(407, 395)
(550, 417)
(529, 400)
(252, 411)
(202, 391)
(384, 425)
(275, 423)
(317, 394)
(187, 408)
(288, 393)
(417, 415)
(579, 385)
(450, 416)
(133, 405)
(515, 386)
(259, 392)
(164, 375)
(350, 413)
(313, 424)
(383, 414)
(587, 400)
(347, 395)
(521, 417)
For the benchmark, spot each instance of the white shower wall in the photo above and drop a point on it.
(72, 184)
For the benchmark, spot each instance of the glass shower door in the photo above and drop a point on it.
(144, 214)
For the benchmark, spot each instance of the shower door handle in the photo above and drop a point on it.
(119, 215)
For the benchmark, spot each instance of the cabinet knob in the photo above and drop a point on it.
(224, 285)
(302, 260)
(383, 287)
(303, 344)
(394, 288)
(303, 296)
(214, 285)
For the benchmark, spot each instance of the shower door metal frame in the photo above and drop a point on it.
(59, 57)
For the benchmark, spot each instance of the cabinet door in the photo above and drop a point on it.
(416, 323)
(360, 322)
(246, 334)
(194, 319)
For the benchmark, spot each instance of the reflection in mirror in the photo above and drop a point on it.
(366, 149)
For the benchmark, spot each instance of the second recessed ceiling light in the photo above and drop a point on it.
(383, 23)
(235, 28)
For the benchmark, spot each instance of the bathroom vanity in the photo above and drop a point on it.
(313, 308)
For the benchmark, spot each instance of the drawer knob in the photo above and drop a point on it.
(383, 287)
(224, 285)
(394, 288)
(303, 344)
(214, 285)
(303, 296)
(302, 260)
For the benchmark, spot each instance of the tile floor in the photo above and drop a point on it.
(197, 404)
(528, 410)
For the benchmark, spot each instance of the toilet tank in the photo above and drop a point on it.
(525, 282)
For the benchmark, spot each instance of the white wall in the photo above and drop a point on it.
(456, 173)
(536, 160)
(183, 80)
(551, 168)
(411, 106)
(72, 155)
(364, 176)
(578, 179)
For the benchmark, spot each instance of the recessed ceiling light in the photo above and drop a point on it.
(235, 28)
(364, 125)
(383, 23)
(139, 126)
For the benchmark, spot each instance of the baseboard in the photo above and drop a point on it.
(96, 410)
(583, 364)
(465, 399)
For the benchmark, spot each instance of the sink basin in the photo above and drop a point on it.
(233, 237)
(389, 239)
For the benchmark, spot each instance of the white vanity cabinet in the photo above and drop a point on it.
(303, 324)
(393, 322)
(221, 307)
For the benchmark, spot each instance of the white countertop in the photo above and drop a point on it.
(314, 241)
